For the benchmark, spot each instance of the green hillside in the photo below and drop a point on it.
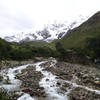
(39, 44)
(78, 36)
(85, 39)
(22, 51)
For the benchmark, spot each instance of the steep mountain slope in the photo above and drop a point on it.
(77, 37)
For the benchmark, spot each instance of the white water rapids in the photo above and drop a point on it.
(48, 82)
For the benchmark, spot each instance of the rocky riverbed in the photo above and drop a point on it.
(88, 76)
(82, 75)
(52, 80)
(30, 82)
(10, 64)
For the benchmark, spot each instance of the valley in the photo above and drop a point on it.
(59, 62)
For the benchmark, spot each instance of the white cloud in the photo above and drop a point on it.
(22, 15)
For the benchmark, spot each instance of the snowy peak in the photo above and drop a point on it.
(20, 37)
(48, 33)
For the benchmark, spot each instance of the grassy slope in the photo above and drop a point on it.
(78, 36)
(40, 44)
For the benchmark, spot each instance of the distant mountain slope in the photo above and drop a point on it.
(76, 38)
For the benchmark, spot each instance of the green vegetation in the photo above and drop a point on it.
(77, 37)
(80, 45)
(85, 39)
(93, 47)
(82, 41)
(14, 51)
(4, 96)
(62, 53)
(39, 44)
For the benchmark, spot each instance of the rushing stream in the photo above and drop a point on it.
(15, 83)
(48, 82)
(50, 85)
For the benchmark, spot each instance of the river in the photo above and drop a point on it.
(48, 82)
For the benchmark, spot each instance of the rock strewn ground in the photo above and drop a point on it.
(82, 75)
(82, 94)
(30, 82)
(9, 64)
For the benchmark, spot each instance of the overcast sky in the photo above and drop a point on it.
(24, 15)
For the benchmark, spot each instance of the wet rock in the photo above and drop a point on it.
(47, 79)
(27, 90)
(79, 74)
(30, 79)
(58, 83)
(37, 59)
(82, 75)
(97, 82)
(85, 76)
(63, 73)
(41, 88)
(82, 94)
(1, 78)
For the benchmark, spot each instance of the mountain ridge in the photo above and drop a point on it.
(48, 33)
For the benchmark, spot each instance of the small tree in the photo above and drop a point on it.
(93, 47)
(61, 50)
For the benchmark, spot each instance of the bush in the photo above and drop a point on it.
(93, 47)
(4, 96)
(62, 52)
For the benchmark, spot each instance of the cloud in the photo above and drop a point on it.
(23, 15)
(14, 20)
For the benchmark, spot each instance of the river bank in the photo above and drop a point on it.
(4, 64)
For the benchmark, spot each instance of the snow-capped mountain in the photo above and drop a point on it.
(48, 33)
